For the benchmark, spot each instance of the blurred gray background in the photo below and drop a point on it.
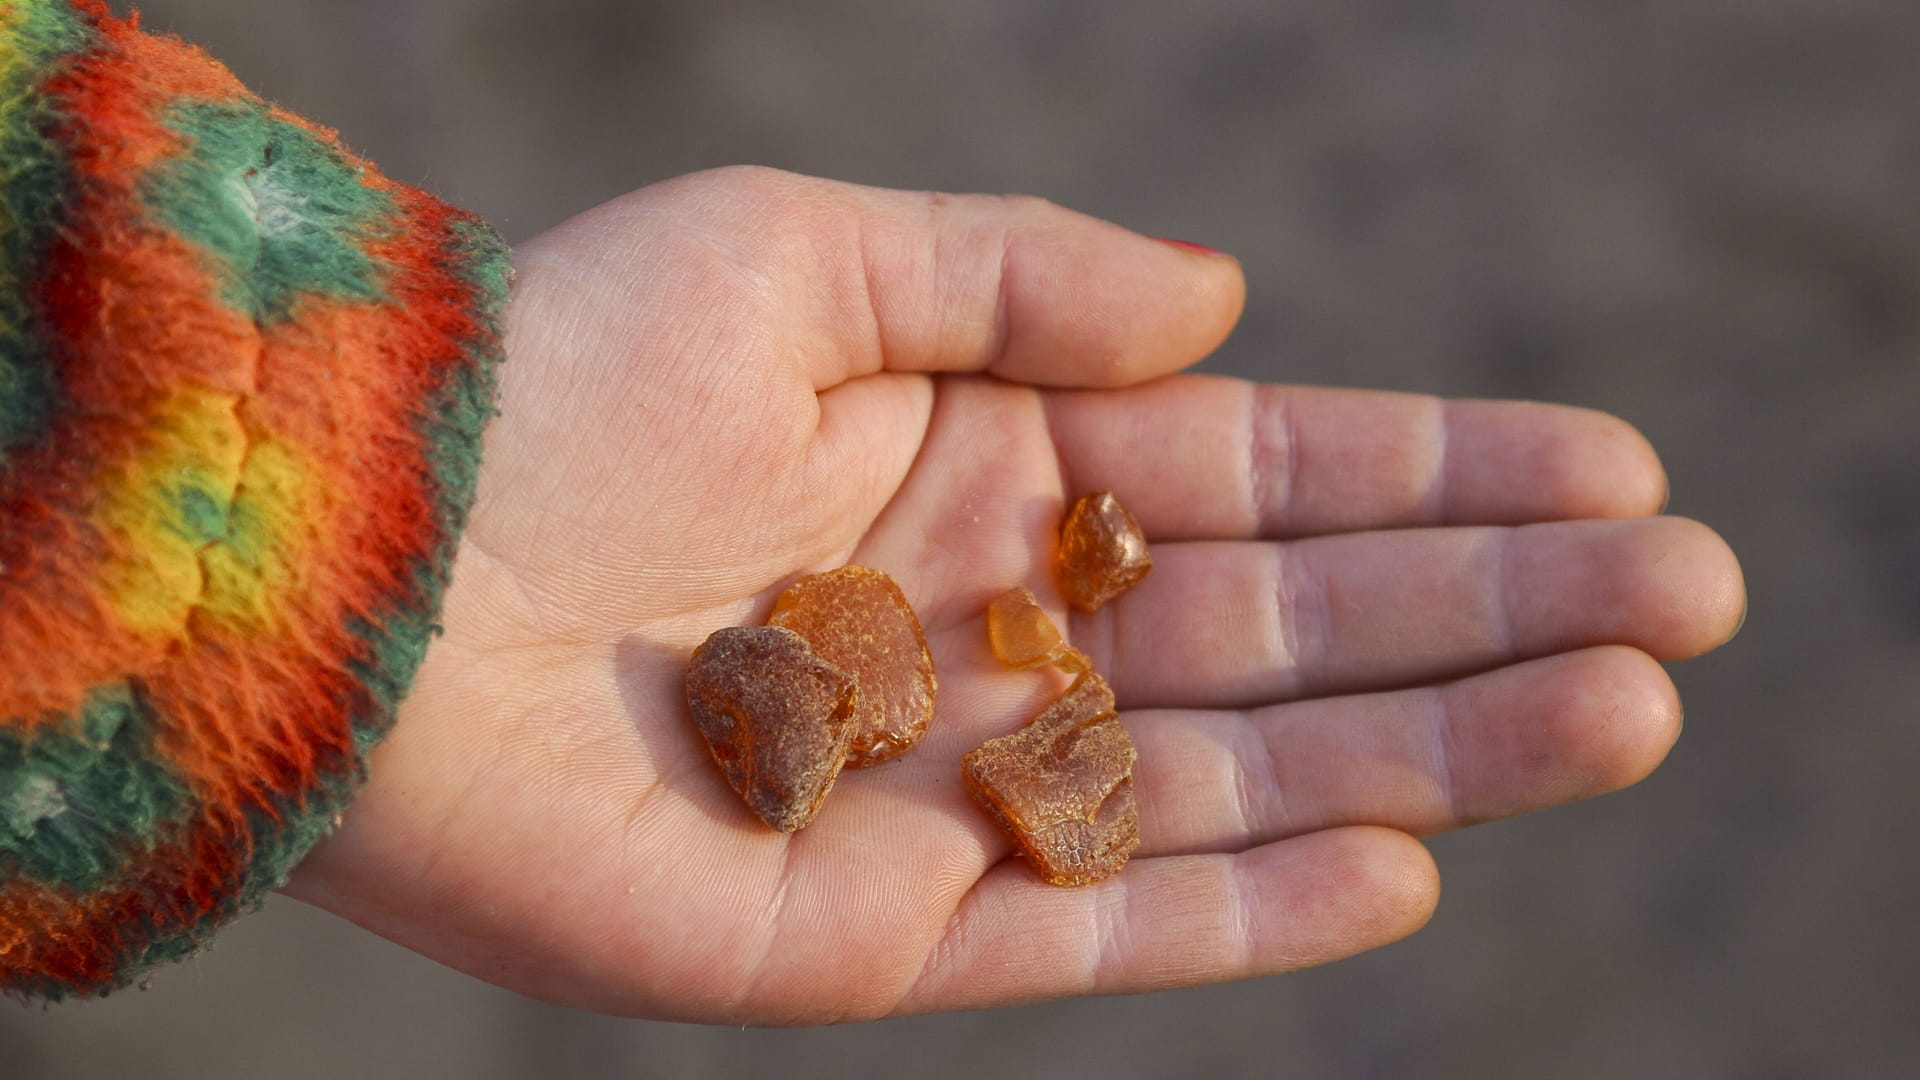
(1703, 215)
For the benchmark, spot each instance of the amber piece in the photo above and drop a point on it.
(776, 716)
(1020, 633)
(1062, 786)
(1022, 636)
(859, 621)
(1102, 552)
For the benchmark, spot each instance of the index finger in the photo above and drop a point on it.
(1207, 458)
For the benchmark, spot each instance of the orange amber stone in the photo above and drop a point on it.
(859, 621)
(1020, 633)
(1062, 786)
(1102, 552)
(776, 716)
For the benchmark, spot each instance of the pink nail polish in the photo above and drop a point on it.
(1188, 245)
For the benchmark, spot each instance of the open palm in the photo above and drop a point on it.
(1371, 616)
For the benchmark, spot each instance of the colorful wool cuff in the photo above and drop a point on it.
(242, 382)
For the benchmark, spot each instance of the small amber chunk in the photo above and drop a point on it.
(1102, 552)
(859, 621)
(1062, 786)
(1020, 633)
(776, 716)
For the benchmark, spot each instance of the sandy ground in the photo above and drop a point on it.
(1698, 214)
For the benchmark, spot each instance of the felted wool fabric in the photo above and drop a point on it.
(243, 378)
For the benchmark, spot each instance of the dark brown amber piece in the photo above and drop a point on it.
(776, 716)
(1102, 552)
(1062, 786)
(859, 621)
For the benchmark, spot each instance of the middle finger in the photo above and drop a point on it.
(1231, 625)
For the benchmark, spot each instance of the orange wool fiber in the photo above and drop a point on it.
(230, 493)
(132, 282)
(44, 929)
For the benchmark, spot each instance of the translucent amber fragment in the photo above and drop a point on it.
(859, 621)
(1062, 786)
(1102, 552)
(1020, 633)
(776, 716)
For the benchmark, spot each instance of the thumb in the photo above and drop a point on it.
(872, 279)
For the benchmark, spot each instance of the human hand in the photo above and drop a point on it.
(1371, 616)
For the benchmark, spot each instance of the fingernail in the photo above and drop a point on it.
(1190, 246)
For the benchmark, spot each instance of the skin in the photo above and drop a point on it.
(1373, 617)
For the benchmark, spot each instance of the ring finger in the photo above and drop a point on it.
(1426, 760)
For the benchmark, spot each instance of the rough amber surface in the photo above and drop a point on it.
(776, 716)
(1102, 552)
(1062, 786)
(859, 621)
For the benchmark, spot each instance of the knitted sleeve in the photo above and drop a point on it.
(243, 378)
